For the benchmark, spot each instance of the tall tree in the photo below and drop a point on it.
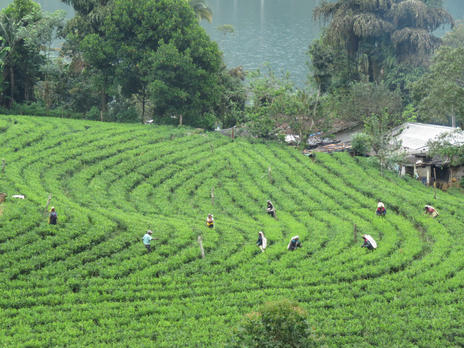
(27, 31)
(117, 43)
(85, 45)
(376, 35)
(449, 146)
(163, 53)
(440, 92)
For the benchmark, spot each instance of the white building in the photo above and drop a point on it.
(414, 138)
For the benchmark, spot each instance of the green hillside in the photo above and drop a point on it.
(89, 281)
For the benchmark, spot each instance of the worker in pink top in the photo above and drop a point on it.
(431, 211)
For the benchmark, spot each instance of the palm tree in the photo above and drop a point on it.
(201, 10)
(376, 33)
(12, 34)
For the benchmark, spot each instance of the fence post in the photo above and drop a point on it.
(48, 202)
(3, 165)
(355, 232)
(212, 195)
(201, 247)
(180, 120)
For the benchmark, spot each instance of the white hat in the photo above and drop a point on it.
(149, 231)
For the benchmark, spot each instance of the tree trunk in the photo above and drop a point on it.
(48, 203)
(202, 251)
(143, 105)
(12, 86)
(102, 104)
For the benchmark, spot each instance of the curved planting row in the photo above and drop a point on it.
(89, 280)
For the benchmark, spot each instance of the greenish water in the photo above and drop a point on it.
(277, 32)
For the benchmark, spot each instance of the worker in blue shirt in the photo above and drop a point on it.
(147, 239)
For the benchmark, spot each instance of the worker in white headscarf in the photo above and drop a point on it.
(381, 211)
(210, 221)
(294, 243)
(429, 210)
(369, 242)
(262, 241)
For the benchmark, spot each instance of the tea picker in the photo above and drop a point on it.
(262, 241)
(431, 211)
(210, 221)
(369, 242)
(270, 209)
(294, 243)
(381, 211)
(147, 239)
(53, 217)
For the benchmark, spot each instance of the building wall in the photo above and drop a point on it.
(425, 172)
(458, 172)
(426, 175)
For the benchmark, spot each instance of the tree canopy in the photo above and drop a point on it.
(26, 33)
(440, 92)
(376, 35)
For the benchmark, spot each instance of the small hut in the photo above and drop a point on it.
(414, 139)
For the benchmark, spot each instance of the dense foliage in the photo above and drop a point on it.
(449, 147)
(26, 33)
(143, 60)
(88, 281)
(276, 324)
(440, 91)
(377, 35)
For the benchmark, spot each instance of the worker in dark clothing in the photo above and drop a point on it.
(53, 217)
(294, 243)
(270, 209)
(262, 241)
(210, 221)
(381, 211)
(369, 242)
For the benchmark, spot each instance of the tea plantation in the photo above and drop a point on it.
(89, 281)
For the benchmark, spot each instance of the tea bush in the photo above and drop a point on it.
(88, 281)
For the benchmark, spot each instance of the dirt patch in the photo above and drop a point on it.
(1, 209)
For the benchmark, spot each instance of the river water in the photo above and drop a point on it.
(266, 32)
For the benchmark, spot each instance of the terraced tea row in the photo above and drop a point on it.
(89, 281)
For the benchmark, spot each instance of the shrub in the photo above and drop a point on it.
(276, 324)
(360, 144)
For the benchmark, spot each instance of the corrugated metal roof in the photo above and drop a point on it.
(415, 136)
